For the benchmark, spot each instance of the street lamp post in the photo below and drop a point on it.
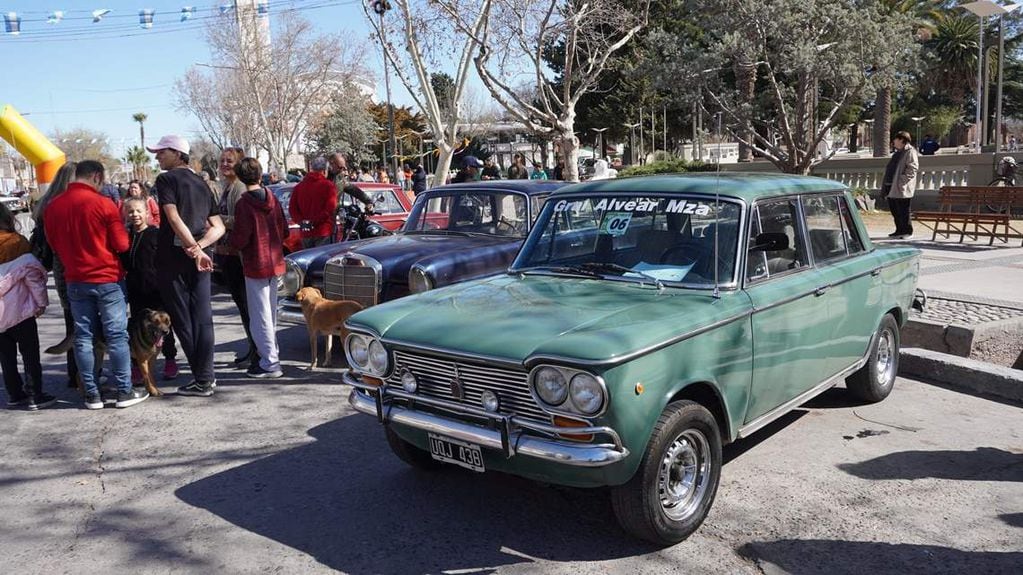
(600, 140)
(918, 119)
(983, 9)
(381, 7)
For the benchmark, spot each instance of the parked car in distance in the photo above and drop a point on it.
(16, 202)
(391, 205)
(644, 323)
(453, 233)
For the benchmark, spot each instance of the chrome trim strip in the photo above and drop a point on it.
(573, 361)
(787, 300)
(515, 443)
(759, 422)
(290, 316)
(449, 354)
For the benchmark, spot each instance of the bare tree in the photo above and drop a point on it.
(420, 39)
(560, 47)
(267, 90)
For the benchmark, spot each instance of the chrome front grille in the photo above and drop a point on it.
(435, 375)
(356, 283)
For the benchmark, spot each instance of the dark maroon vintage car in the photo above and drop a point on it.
(453, 233)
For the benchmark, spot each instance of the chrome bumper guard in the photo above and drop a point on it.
(289, 312)
(504, 432)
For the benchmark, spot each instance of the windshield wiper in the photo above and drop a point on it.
(622, 270)
(564, 270)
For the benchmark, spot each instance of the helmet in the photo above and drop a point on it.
(1009, 160)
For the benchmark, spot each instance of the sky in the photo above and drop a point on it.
(80, 74)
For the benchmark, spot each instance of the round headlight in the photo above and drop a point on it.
(408, 382)
(550, 385)
(289, 283)
(358, 351)
(419, 280)
(586, 393)
(377, 357)
(490, 401)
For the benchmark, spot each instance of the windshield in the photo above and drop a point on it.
(471, 212)
(651, 239)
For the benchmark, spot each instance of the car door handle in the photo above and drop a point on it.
(820, 291)
(875, 273)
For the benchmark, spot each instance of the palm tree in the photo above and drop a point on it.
(141, 119)
(137, 157)
(924, 14)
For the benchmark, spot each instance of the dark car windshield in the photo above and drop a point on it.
(472, 212)
(642, 238)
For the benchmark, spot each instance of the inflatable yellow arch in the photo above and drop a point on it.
(32, 144)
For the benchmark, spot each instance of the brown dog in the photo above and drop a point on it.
(324, 316)
(145, 337)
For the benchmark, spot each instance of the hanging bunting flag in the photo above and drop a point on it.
(263, 7)
(98, 15)
(12, 23)
(186, 13)
(55, 17)
(225, 8)
(146, 18)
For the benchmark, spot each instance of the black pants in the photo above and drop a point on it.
(23, 337)
(899, 207)
(231, 268)
(72, 364)
(185, 292)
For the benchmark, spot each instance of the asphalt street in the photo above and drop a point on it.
(283, 477)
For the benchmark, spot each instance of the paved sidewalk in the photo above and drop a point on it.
(971, 271)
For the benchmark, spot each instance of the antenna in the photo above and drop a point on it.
(717, 209)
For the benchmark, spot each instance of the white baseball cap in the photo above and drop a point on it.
(170, 142)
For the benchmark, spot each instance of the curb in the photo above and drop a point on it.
(962, 374)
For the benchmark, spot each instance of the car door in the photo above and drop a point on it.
(790, 321)
(849, 278)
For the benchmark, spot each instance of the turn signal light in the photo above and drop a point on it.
(566, 422)
(374, 381)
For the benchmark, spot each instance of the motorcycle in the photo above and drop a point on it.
(352, 222)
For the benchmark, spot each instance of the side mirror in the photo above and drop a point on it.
(770, 242)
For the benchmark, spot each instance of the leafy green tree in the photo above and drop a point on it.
(139, 160)
(141, 119)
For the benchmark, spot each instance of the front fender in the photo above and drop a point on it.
(453, 267)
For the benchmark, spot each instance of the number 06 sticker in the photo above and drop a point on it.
(616, 223)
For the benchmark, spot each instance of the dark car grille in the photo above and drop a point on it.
(434, 376)
(356, 283)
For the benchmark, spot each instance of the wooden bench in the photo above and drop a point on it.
(974, 212)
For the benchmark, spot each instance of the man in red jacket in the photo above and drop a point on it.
(313, 204)
(87, 232)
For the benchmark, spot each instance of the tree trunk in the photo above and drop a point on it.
(883, 122)
(570, 149)
(440, 174)
(142, 135)
(746, 78)
(854, 138)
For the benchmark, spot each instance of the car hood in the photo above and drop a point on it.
(399, 252)
(515, 317)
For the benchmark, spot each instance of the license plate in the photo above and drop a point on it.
(457, 452)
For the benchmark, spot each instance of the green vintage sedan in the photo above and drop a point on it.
(645, 323)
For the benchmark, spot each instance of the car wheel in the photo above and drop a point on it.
(875, 380)
(674, 487)
(409, 453)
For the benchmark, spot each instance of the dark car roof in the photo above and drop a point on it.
(743, 185)
(530, 187)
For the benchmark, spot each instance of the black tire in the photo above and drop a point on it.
(685, 432)
(875, 380)
(409, 453)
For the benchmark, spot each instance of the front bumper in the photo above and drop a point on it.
(504, 433)
(289, 311)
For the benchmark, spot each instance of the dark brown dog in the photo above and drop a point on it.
(324, 316)
(145, 338)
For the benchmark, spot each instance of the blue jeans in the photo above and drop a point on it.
(97, 307)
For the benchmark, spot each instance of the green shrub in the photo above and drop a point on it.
(673, 166)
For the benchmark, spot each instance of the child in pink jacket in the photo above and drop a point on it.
(22, 299)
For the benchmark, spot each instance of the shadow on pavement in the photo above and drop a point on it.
(814, 556)
(1013, 519)
(351, 504)
(982, 464)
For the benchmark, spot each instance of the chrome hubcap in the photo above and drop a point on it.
(885, 357)
(683, 476)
